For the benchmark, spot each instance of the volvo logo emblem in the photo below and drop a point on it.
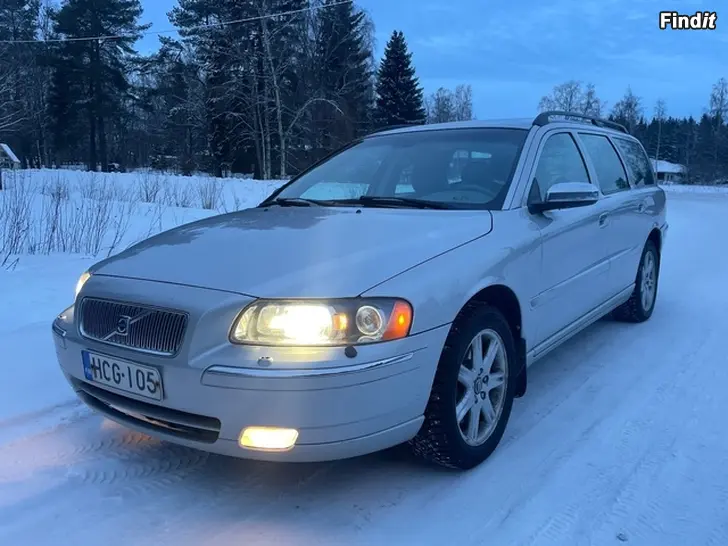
(122, 326)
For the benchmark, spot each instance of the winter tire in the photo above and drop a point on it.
(472, 393)
(641, 303)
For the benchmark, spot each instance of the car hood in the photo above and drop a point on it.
(297, 252)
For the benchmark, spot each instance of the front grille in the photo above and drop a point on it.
(147, 329)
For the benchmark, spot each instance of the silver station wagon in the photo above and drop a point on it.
(396, 292)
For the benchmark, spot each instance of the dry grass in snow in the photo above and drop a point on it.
(93, 214)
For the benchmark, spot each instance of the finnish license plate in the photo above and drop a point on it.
(122, 375)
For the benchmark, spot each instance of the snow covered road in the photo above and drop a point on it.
(620, 439)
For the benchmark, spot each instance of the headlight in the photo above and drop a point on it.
(81, 281)
(328, 323)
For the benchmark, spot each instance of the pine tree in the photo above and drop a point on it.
(22, 87)
(246, 75)
(91, 76)
(168, 102)
(400, 98)
(343, 68)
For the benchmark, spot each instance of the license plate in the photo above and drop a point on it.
(122, 375)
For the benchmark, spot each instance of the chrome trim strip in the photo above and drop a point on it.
(58, 330)
(252, 373)
(556, 340)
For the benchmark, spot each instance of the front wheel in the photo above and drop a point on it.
(641, 304)
(472, 394)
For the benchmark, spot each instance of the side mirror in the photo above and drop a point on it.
(567, 195)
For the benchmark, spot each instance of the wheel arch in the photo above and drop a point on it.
(656, 237)
(505, 300)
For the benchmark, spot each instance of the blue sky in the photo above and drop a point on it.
(512, 53)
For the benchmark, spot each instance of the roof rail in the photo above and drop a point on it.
(394, 127)
(544, 118)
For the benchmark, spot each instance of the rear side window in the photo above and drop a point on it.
(610, 171)
(638, 165)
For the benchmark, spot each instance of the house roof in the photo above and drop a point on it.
(6, 149)
(662, 166)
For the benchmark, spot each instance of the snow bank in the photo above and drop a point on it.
(92, 214)
(684, 188)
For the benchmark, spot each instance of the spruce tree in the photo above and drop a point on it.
(91, 76)
(400, 98)
(704, 167)
(21, 93)
(342, 66)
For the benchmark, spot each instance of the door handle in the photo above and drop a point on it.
(603, 219)
(641, 208)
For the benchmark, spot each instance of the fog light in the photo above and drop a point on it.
(268, 438)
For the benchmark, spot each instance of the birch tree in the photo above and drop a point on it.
(572, 96)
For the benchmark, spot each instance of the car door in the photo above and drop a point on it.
(575, 267)
(620, 202)
(646, 198)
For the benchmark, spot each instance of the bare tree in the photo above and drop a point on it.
(591, 104)
(256, 93)
(628, 110)
(440, 106)
(571, 96)
(463, 100)
(445, 105)
(719, 101)
(9, 116)
(719, 112)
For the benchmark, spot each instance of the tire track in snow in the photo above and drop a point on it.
(641, 447)
(127, 460)
(17, 428)
(514, 473)
(553, 385)
(647, 506)
(126, 465)
(658, 448)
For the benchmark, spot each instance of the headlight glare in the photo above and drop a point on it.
(322, 323)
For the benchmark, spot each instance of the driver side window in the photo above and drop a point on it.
(560, 161)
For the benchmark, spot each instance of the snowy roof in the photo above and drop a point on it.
(5, 148)
(661, 166)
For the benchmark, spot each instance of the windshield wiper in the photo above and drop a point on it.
(295, 202)
(400, 202)
(364, 201)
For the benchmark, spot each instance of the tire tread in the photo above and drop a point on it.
(631, 310)
(432, 442)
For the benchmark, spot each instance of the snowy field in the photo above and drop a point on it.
(620, 439)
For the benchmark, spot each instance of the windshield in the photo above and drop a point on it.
(458, 168)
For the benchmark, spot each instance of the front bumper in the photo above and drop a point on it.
(344, 408)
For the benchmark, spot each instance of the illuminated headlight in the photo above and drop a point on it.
(81, 281)
(327, 323)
